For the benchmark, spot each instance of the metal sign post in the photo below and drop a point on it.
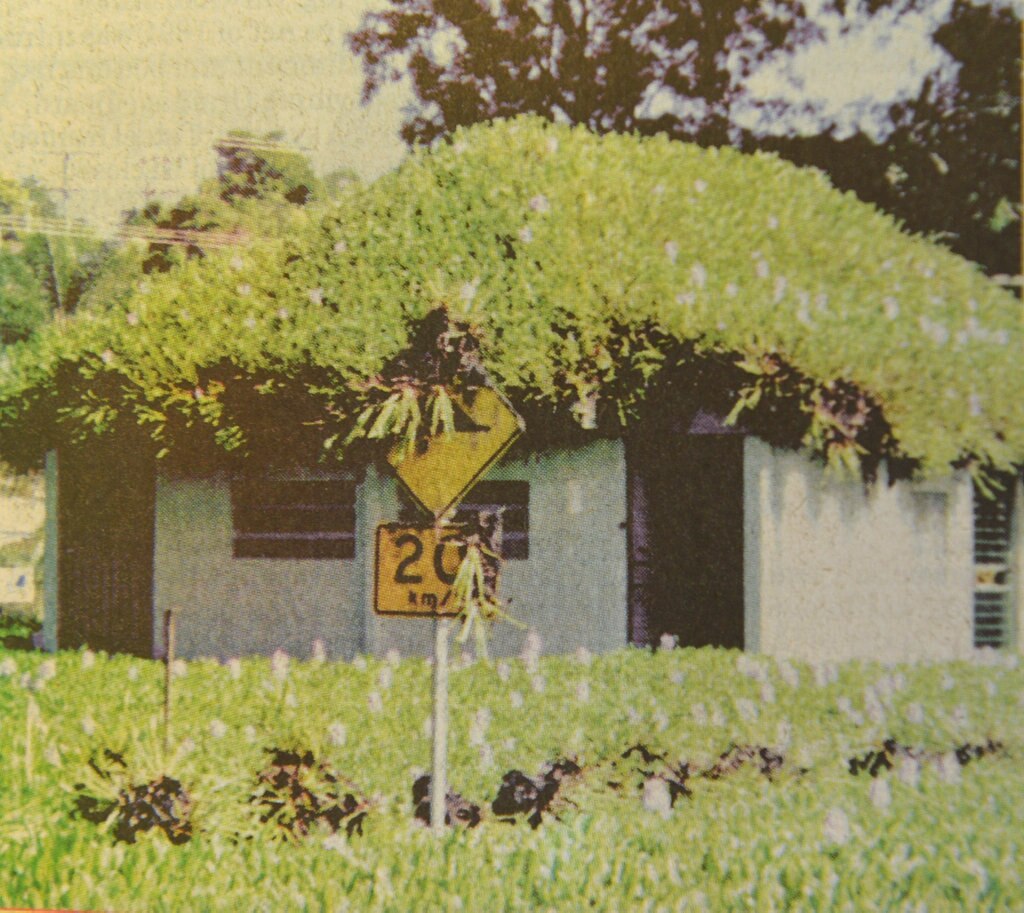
(169, 644)
(439, 778)
(416, 566)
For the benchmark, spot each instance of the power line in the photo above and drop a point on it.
(152, 235)
(258, 145)
(79, 228)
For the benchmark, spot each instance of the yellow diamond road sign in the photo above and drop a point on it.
(441, 475)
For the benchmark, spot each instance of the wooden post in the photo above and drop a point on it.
(169, 646)
(439, 780)
(31, 718)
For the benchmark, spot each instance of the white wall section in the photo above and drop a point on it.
(845, 571)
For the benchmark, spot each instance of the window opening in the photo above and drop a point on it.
(511, 498)
(293, 518)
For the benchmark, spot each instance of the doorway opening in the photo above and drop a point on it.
(685, 495)
(106, 502)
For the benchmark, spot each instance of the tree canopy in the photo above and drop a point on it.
(259, 187)
(949, 166)
(40, 274)
(600, 277)
(947, 162)
(593, 62)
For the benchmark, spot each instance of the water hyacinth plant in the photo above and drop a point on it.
(751, 785)
(805, 313)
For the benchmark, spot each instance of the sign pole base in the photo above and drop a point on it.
(439, 780)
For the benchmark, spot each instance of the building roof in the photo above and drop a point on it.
(589, 267)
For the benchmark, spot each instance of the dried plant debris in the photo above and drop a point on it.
(875, 760)
(160, 803)
(300, 795)
(646, 755)
(661, 782)
(966, 753)
(520, 794)
(457, 810)
(768, 761)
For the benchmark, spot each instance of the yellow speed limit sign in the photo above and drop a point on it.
(415, 570)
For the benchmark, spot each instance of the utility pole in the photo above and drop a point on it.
(65, 190)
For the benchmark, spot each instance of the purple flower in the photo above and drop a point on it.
(279, 665)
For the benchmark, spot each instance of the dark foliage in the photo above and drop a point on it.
(949, 166)
(875, 760)
(767, 760)
(441, 352)
(593, 63)
(520, 794)
(457, 810)
(673, 775)
(298, 794)
(161, 804)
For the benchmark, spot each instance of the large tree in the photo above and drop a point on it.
(947, 164)
(593, 62)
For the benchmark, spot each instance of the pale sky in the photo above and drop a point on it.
(134, 92)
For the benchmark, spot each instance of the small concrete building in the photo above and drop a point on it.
(625, 293)
(709, 535)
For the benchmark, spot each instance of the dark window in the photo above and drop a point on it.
(293, 519)
(511, 498)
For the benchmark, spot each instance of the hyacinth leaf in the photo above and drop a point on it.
(442, 413)
(387, 415)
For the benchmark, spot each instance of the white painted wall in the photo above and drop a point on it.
(572, 589)
(228, 606)
(833, 570)
(836, 570)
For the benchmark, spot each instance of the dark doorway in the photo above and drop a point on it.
(106, 508)
(686, 538)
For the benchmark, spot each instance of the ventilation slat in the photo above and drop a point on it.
(991, 557)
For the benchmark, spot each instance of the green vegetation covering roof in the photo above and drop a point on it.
(590, 269)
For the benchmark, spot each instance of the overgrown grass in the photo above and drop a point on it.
(813, 837)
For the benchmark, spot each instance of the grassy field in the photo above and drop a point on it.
(929, 834)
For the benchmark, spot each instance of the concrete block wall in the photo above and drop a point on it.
(572, 588)
(228, 606)
(837, 571)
